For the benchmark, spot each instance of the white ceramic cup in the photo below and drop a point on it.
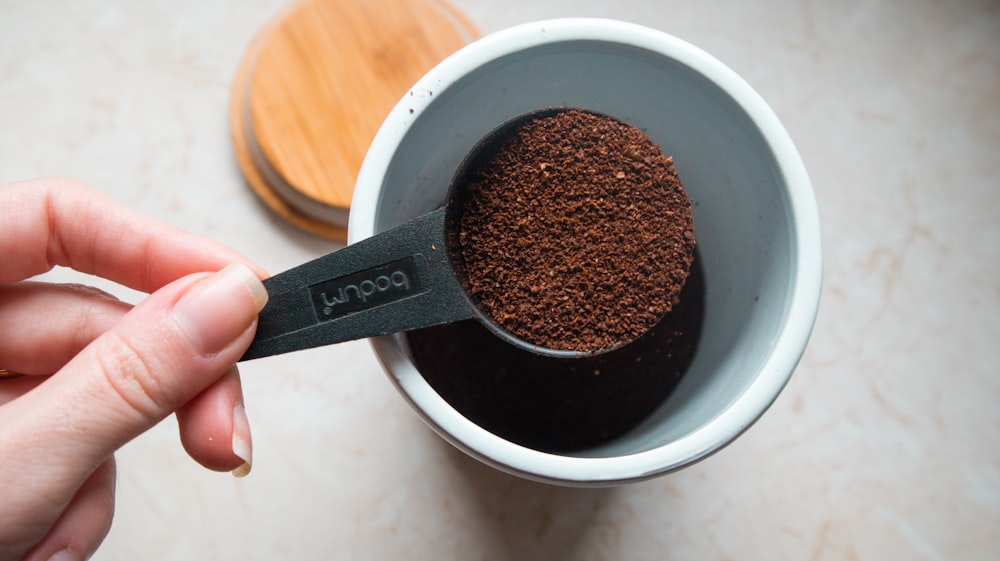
(755, 217)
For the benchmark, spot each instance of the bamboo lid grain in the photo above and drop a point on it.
(315, 85)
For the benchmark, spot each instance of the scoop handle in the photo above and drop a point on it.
(398, 280)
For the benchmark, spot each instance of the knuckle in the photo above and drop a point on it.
(130, 376)
(94, 315)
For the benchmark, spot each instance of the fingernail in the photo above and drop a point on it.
(242, 446)
(216, 310)
(66, 555)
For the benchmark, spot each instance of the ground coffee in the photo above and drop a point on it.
(575, 232)
(560, 405)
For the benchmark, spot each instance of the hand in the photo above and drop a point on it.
(93, 372)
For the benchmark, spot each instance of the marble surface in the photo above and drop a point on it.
(885, 445)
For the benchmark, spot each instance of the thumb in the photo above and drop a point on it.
(161, 354)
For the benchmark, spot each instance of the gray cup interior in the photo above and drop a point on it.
(743, 220)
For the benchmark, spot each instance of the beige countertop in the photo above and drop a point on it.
(885, 444)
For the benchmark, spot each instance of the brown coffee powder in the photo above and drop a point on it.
(576, 233)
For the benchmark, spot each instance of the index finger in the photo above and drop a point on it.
(55, 221)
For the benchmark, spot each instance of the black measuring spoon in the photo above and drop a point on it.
(402, 279)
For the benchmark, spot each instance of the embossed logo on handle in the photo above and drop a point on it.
(366, 289)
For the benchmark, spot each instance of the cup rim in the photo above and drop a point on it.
(806, 281)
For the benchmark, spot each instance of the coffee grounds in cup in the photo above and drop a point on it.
(560, 405)
(575, 233)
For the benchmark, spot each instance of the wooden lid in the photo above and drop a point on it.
(313, 89)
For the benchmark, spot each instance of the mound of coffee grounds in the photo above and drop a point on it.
(575, 232)
(560, 405)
